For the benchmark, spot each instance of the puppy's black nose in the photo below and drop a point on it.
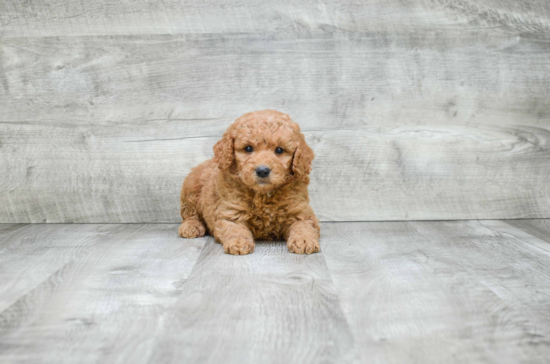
(262, 171)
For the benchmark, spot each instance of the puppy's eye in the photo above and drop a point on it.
(279, 150)
(249, 149)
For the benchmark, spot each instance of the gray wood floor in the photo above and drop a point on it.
(391, 292)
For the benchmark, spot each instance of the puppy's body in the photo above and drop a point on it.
(231, 195)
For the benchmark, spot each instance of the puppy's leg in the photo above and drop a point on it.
(302, 237)
(235, 238)
(191, 226)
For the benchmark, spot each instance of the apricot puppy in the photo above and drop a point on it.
(255, 187)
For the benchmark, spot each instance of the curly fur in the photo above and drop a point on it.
(225, 197)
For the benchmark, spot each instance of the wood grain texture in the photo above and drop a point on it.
(538, 228)
(434, 292)
(381, 292)
(91, 298)
(325, 80)
(8, 228)
(268, 307)
(513, 269)
(30, 254)
(96, 17)
(525, 233)
(446, 124)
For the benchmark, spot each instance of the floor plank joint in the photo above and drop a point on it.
(393, 292)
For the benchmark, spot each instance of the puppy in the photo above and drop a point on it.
(255, 187)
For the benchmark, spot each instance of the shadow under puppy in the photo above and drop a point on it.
(255, 187)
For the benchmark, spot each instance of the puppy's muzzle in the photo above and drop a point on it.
(262, 171)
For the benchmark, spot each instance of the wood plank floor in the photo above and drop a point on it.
(388, 292)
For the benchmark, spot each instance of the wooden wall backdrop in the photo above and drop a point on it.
(427, 109)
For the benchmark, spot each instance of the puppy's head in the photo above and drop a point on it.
(264, 149)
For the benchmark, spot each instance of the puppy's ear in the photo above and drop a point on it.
(303, 156)
(223, 151)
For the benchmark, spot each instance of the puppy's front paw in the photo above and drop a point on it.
(191, 229)
(302, 244)
(238, 246)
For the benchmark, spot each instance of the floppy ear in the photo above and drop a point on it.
(303, 156)
(223, 151)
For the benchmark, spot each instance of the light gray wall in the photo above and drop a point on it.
(415, 109)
